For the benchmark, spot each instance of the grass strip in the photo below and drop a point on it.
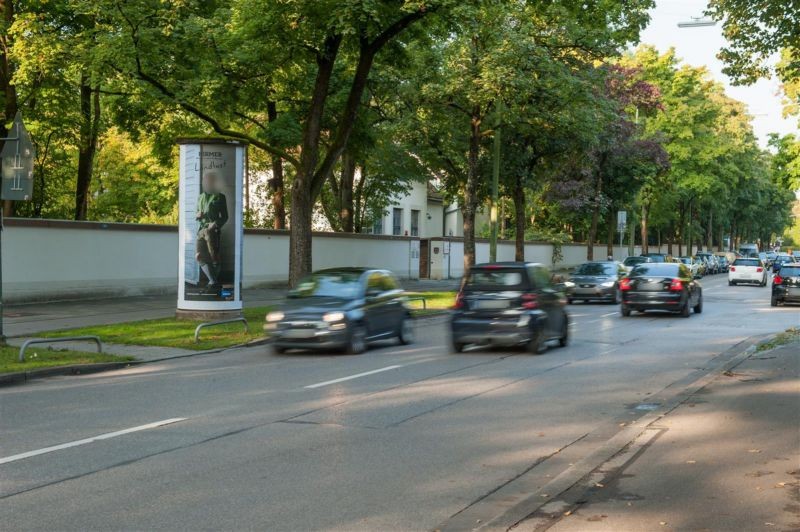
(38, 357)
(786, 337)
(172, 332)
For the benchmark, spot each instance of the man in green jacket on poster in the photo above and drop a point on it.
(212, 213)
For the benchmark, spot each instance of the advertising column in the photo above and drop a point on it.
(210, 227)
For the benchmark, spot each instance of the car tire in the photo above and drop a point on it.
(698, 309)
(774, 301)
(625, 310)
(685, 310)
(278, 349)
(764, 283)
(564, 340)
(536, 345)
(356, 340)
(570, 301)
(731, 283)
(406, 333)
(457, 347)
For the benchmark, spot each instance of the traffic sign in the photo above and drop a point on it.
(18, 156)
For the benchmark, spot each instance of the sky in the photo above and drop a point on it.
(699, 46)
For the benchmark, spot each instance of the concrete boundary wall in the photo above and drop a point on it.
(54, 259)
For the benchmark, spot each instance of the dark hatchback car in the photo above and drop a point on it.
(779, 261)
(509, 304)
(597, 281)
(786, 284)
(344, 308)
(661, 286)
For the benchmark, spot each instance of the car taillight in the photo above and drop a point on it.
(625, 284)
(733, 268)
(676, 285)
(459, 304)
(777, 280)
(759, 269)
(529, 301)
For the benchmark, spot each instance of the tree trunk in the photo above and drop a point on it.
(471, 190)
(610, 232)
(9, 90)
(519, 220)
(710, 232)
(346, 208)
(645, 245)
(276, 184)
(89, 131)
(300, 233)
(359, 201)
(598, 190)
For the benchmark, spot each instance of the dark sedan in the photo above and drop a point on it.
(508, 304)
(786, 284)
(343, 308)
(597, 281)
(661, 286)
(780, 260)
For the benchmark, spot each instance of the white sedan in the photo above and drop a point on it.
(750, 270)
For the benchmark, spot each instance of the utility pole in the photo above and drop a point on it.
(495, 186)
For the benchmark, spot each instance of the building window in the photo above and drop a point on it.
(397, 221)
(377, 226)
(414, 222)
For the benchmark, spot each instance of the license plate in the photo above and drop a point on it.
(491, 303)
(299, 333)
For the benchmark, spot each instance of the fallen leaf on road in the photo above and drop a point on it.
(568, 512)
(780, 484)
(596, 518)
(754, 450)
(663, 523)
(544, 495)
(541, 434)
(691, 461)
(598, 485)
(728, 373)
(770, 524)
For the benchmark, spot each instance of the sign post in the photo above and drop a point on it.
(210, 228)
(17, 156)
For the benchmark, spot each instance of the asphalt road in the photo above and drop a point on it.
(404, 438)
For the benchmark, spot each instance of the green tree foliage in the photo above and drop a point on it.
(756, 30)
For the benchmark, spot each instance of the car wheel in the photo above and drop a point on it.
(698, 309)
(774, 301)
(685, 310)
(764, 282)
(357, 340)
(278, 349)
(570, 301)
(537, 345)
(731, 283)
(406, 333)
(564, 340)
(458, 347)
(625, 310)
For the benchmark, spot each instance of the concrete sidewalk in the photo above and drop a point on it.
(25, 320)
(728, 458)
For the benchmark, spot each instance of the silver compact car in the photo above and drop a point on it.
(597, 281)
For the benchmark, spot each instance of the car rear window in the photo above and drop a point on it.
(495, 278)
(655, 270)
(747, 262)
(790, 271)
(596, 268)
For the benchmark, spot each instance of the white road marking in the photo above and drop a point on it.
(76, 443)
(609, 314)
(351, 377)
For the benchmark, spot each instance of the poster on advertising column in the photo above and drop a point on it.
(210, 225)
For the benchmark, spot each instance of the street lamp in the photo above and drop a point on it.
(697, 22)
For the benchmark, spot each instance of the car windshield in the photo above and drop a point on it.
(655, 270)
(495, 278)
(790, 271)
(747, 262)
(596, 268)
(686, 260)
(345, 285)
(632, 261)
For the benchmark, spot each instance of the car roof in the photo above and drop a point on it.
(348, 269)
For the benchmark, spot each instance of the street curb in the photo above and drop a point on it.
(573, 475)
(22, 377)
